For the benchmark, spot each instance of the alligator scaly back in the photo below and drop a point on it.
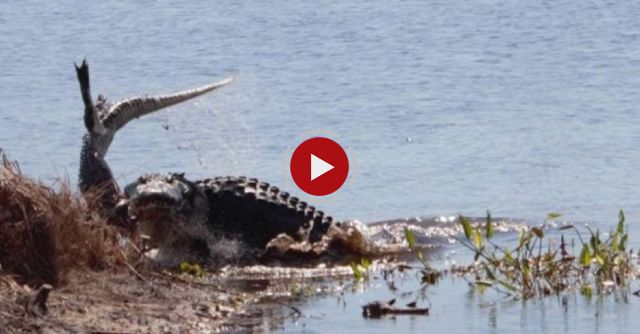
(258, 212)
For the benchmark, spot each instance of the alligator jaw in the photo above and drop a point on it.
(166, 208)
(149, 202)
(155, 216)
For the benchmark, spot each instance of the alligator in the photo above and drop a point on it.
(175, 213)
(182, 216)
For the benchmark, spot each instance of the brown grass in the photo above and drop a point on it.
(44, 233)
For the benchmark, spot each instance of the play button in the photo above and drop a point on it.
(319, 166)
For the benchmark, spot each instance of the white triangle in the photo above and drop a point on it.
(319, 167)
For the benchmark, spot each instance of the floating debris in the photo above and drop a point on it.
(378, 309)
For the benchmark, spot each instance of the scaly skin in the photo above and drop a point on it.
(258, 212)
(170, 209)
(102, 120)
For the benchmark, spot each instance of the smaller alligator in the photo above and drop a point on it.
(102, 120)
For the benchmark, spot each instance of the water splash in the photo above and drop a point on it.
(354, 239)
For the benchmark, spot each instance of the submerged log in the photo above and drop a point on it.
(378, 309)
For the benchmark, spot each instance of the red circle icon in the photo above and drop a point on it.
(319, 166)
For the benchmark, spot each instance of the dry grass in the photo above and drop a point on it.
(49, 235)
(44, 233)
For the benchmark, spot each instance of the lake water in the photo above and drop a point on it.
(446, 107)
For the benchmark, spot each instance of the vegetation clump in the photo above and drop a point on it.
(539, 266)
(190, 268)
(361, 270)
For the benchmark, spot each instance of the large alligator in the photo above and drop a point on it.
(173, 211)
(181, 216)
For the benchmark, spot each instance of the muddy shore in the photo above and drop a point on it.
(145, 301)
(97, 279)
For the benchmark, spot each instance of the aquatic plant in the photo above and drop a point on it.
(191, 268)
(429, 274)
(361, 270)
(537, 267)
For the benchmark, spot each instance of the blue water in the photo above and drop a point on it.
(455, 106)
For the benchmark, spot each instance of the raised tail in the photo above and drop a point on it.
(124, 111)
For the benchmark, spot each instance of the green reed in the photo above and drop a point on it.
(539, 266)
